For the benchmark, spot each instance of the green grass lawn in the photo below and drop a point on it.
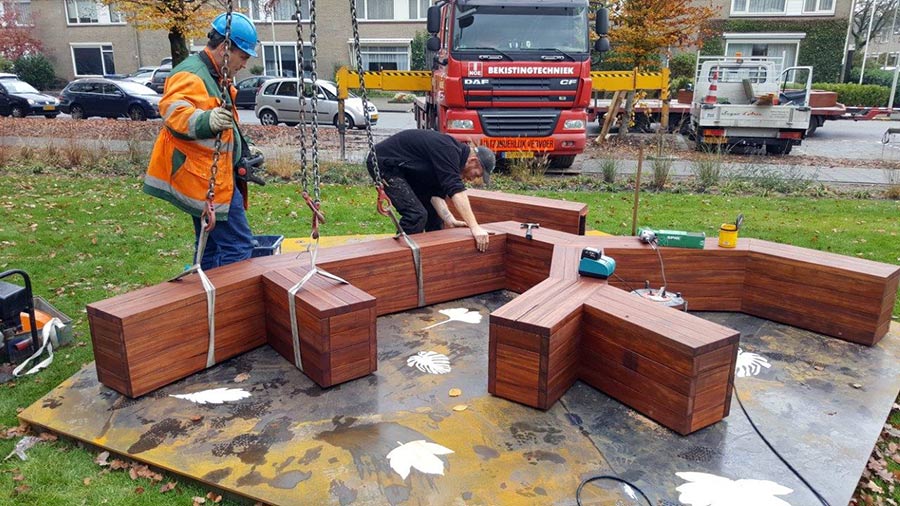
(84, 238)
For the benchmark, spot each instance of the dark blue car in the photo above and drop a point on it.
(110, 98)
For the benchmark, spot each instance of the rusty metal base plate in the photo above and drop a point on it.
(399, 437)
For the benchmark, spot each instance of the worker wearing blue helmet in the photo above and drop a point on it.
(195, 112)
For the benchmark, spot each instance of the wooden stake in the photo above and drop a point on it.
(637, 190)
(611, 114)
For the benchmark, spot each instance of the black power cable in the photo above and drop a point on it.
(611, 478)
(782, 459)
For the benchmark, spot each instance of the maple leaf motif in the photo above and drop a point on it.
(710, 490)
(749, 364)
(431, 362)
(420, 454)
(459, 314)
(215, 396)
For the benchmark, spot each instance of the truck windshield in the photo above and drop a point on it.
(505, 30)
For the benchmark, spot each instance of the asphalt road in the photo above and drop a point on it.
(836, 139)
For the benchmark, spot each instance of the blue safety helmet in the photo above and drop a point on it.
(243, 32)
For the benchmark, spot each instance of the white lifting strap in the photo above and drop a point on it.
(210, 293)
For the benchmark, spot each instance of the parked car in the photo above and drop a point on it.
(19, 99)
(247, 89)
(158, 79)
(277, 102)
(142, 75)
(109, 98)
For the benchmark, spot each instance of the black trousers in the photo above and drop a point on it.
(416, 212)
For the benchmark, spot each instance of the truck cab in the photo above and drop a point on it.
(747, 101)
(513, 77)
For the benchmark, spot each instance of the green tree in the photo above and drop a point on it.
(6, 65)
(417, 47)
(182, 19)
(36, 70)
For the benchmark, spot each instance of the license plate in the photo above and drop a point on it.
(373, 117)
(49, 107)
(518, 154)
(715, 140)
(510, 144)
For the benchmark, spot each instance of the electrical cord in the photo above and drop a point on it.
(662, 266)
(628, 286)
(782, 459)
(611, 478)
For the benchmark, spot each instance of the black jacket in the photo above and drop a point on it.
(429, 161)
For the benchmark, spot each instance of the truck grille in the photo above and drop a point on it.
(519, 122)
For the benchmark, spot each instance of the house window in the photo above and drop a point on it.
(93, 59)
(418, 9)
(818, 6)
(21, 11)
(283, 10)
(87, 12)
(384, 56)
(375, 9)
(281, 59)
(759, 6)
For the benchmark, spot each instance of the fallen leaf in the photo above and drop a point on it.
(47, 436)
(117, 464)
(21, 489)
(167, 487)
(856, 385)
(212, 496)
(196, 418)
(86, 481)
(460, 407)
(199, 500)
(139, 490)
(101, 459)
(455, 392)
(19, 477)
(133, 473)
(242, 377)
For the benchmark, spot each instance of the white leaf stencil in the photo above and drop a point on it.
(749, 364)
(710, 490)
(420, 454)
(457, 314)
(215, 396)
(431, 362)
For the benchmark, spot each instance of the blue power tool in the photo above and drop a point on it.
(595, 264)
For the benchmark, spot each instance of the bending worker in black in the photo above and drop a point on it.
(420, 168)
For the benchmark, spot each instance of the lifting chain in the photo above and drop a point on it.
(384, 202)
(208, 217)
(313, 201)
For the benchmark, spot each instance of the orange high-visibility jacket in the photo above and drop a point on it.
(181, 162)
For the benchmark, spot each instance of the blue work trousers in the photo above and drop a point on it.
(230, 241)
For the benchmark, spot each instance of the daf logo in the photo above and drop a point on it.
(476, 81)
(568, 82)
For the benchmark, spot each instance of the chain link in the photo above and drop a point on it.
(301, 100)
(364, 93)
(314, 76)
(223, 88)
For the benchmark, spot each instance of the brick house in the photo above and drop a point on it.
(88, 38)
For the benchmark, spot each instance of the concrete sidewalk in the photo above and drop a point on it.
(685, 168)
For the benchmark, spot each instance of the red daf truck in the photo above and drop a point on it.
(513, 76)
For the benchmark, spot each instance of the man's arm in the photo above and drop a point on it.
(461, 202)
(440, 205)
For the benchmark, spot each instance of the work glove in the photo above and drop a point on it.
(220, 119)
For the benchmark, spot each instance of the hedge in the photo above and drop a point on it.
(858, 95)
(822, 47)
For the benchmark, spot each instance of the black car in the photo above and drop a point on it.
(19, 99)
(158, 78)
(246, 91)
(110, 98)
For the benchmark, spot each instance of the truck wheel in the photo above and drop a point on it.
(562, 161)
(779, 149)
(814, 123)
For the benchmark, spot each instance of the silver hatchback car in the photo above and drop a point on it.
(276, 102)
